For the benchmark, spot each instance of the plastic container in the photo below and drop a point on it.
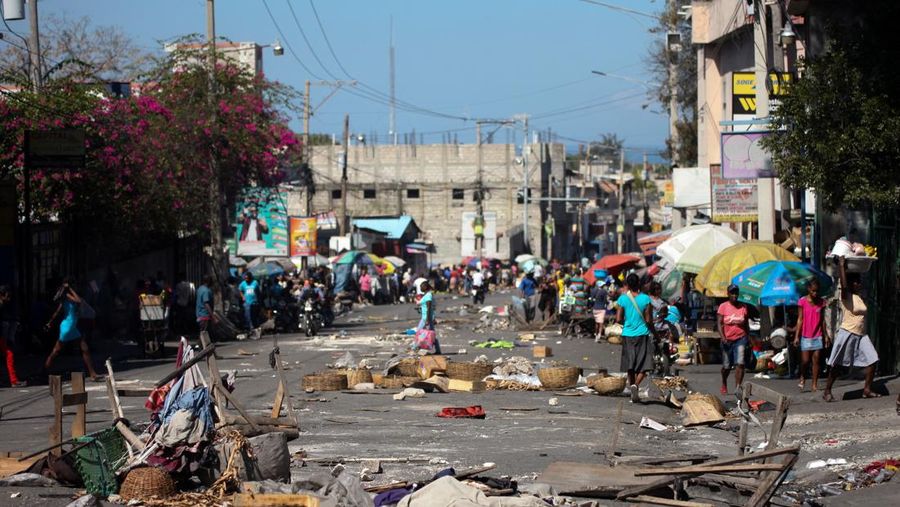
(842, 248)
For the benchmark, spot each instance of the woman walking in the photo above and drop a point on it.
(810, 336)
(852, 346)
(68, 304)
(634, 312)
(425, 335)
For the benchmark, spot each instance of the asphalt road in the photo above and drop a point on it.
(522, 432)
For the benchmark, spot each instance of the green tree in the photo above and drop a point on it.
(684, 62)
(837, 129)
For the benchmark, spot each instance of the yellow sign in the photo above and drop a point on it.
(668, 197)
(744, 83)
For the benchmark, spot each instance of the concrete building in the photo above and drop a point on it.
(248, 55)
(436, 185)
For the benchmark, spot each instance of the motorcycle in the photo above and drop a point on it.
(310, 320)
(285, 315)
(665, 349)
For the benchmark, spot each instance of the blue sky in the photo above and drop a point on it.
(468, 58)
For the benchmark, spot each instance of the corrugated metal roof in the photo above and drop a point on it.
(393, 227)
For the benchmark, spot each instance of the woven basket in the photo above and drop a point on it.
(397, 381)
(146, 482)
(614, 339)
(325, 382)
(473, 372)
(408, 367)
(607, 385)
(560, 377)
(362, 376)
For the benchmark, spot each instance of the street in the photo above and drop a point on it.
(522, 433)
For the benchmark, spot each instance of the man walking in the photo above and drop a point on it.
(204, 306)
(528, 288)
(249, 291)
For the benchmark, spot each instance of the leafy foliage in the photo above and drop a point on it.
(837, 129)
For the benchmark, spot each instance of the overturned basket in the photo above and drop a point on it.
(397, 381)
(473, 372)
(607, 385)
(147, 482)
(361, 376)
(406, 368)
(324, 382)
(559, 377)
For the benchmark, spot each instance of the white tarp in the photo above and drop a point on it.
(692, 188)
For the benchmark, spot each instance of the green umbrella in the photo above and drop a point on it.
(776, 283)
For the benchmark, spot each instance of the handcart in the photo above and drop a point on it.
(154, 324)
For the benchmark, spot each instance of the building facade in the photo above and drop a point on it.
(437, 185)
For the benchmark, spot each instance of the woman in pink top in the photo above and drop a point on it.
(811, 336)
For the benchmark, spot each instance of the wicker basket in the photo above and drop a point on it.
(397, 381)
(607, 385)
(614, 339)
(361, 376)
(408, 367)
(473, 372)
(560, 377)
(324, 382)
(146, 482)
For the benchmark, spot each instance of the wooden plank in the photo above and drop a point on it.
(284, 387)
(10, 466)
(134, 393)
(778, 421)
(768, 486)
(763, 392)
(56, 431)
(696, 412)
(471, 472)
(663, 460)
(666, 501)
(130, 437)
(274, 500)
(208, 348)
(213, 370)
(279, 400)
(79, 399)
(75, 400)
(618, 429)
(466, 386)
(742, 438)
(114, 401)
(236, 404)
(702, 469)
(591, 480)
(645, 488)
(794, 449)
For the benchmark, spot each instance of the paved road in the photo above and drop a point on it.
(520, 442)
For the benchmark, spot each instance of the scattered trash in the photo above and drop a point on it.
(553, 402)
(823, 463)
(473, 412)
(646, 422)
(409, 392)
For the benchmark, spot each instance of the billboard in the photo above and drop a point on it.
(262, 223)
(691, 187)
(733, 200)
(743, 156)
(303, 236)
(468, 229)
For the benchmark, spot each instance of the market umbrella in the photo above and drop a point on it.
(714, 278)
(352, 257)
(689, 249)
(472, 261)
(312, 260)
(775, 283)
(384, 267)
(396, 261)
(266, 269)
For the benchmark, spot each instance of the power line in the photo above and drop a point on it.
(620, 8)
(306, 40)
(328, 42)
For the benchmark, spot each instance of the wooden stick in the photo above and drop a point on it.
(702, 469)
(286, 392)
(615, 437)
(769, 485)
(56, 431)
(640, 490)
(666, 501)
(200, 356)
(129, 435)
(237, 405)
(79, 424)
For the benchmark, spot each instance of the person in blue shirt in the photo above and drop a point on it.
(529, 289)
(634, 312)
(204, 305)
(249, 290)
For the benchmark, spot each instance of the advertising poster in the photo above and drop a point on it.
(733, 200)
(262, 223)
(743, 156)
(303, 236)
(326, 221)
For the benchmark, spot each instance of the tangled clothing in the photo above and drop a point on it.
(449, 492)
(68, 328)
(183, 427)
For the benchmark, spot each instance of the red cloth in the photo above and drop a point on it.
(10, 361)
(473, 412)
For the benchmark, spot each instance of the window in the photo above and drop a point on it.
(369, 193)
(336, 194)
(412, 193)
(459, 194)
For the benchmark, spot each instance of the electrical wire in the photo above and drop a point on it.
(327, 41)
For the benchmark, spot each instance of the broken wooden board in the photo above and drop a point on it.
(591, 480)
(466, 386)
(698, 411)
(274, 500)
(10, 465)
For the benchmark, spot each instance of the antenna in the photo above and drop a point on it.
(392, 118)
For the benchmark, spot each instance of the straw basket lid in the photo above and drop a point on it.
(146, 482)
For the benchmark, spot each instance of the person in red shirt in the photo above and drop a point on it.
(734, 330)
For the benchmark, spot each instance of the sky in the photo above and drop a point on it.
(467, 59)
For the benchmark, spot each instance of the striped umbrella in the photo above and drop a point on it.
(776, 283)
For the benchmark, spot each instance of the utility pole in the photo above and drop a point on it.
(765, 186)
(620, 223)
(478, 226)
(343, 223)
(671, 58)
(392, 117)
(215, 198)
(307, 151)
(525, 148)
(34, 46)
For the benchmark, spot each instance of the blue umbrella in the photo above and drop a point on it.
(775, 283)
(267, 269)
